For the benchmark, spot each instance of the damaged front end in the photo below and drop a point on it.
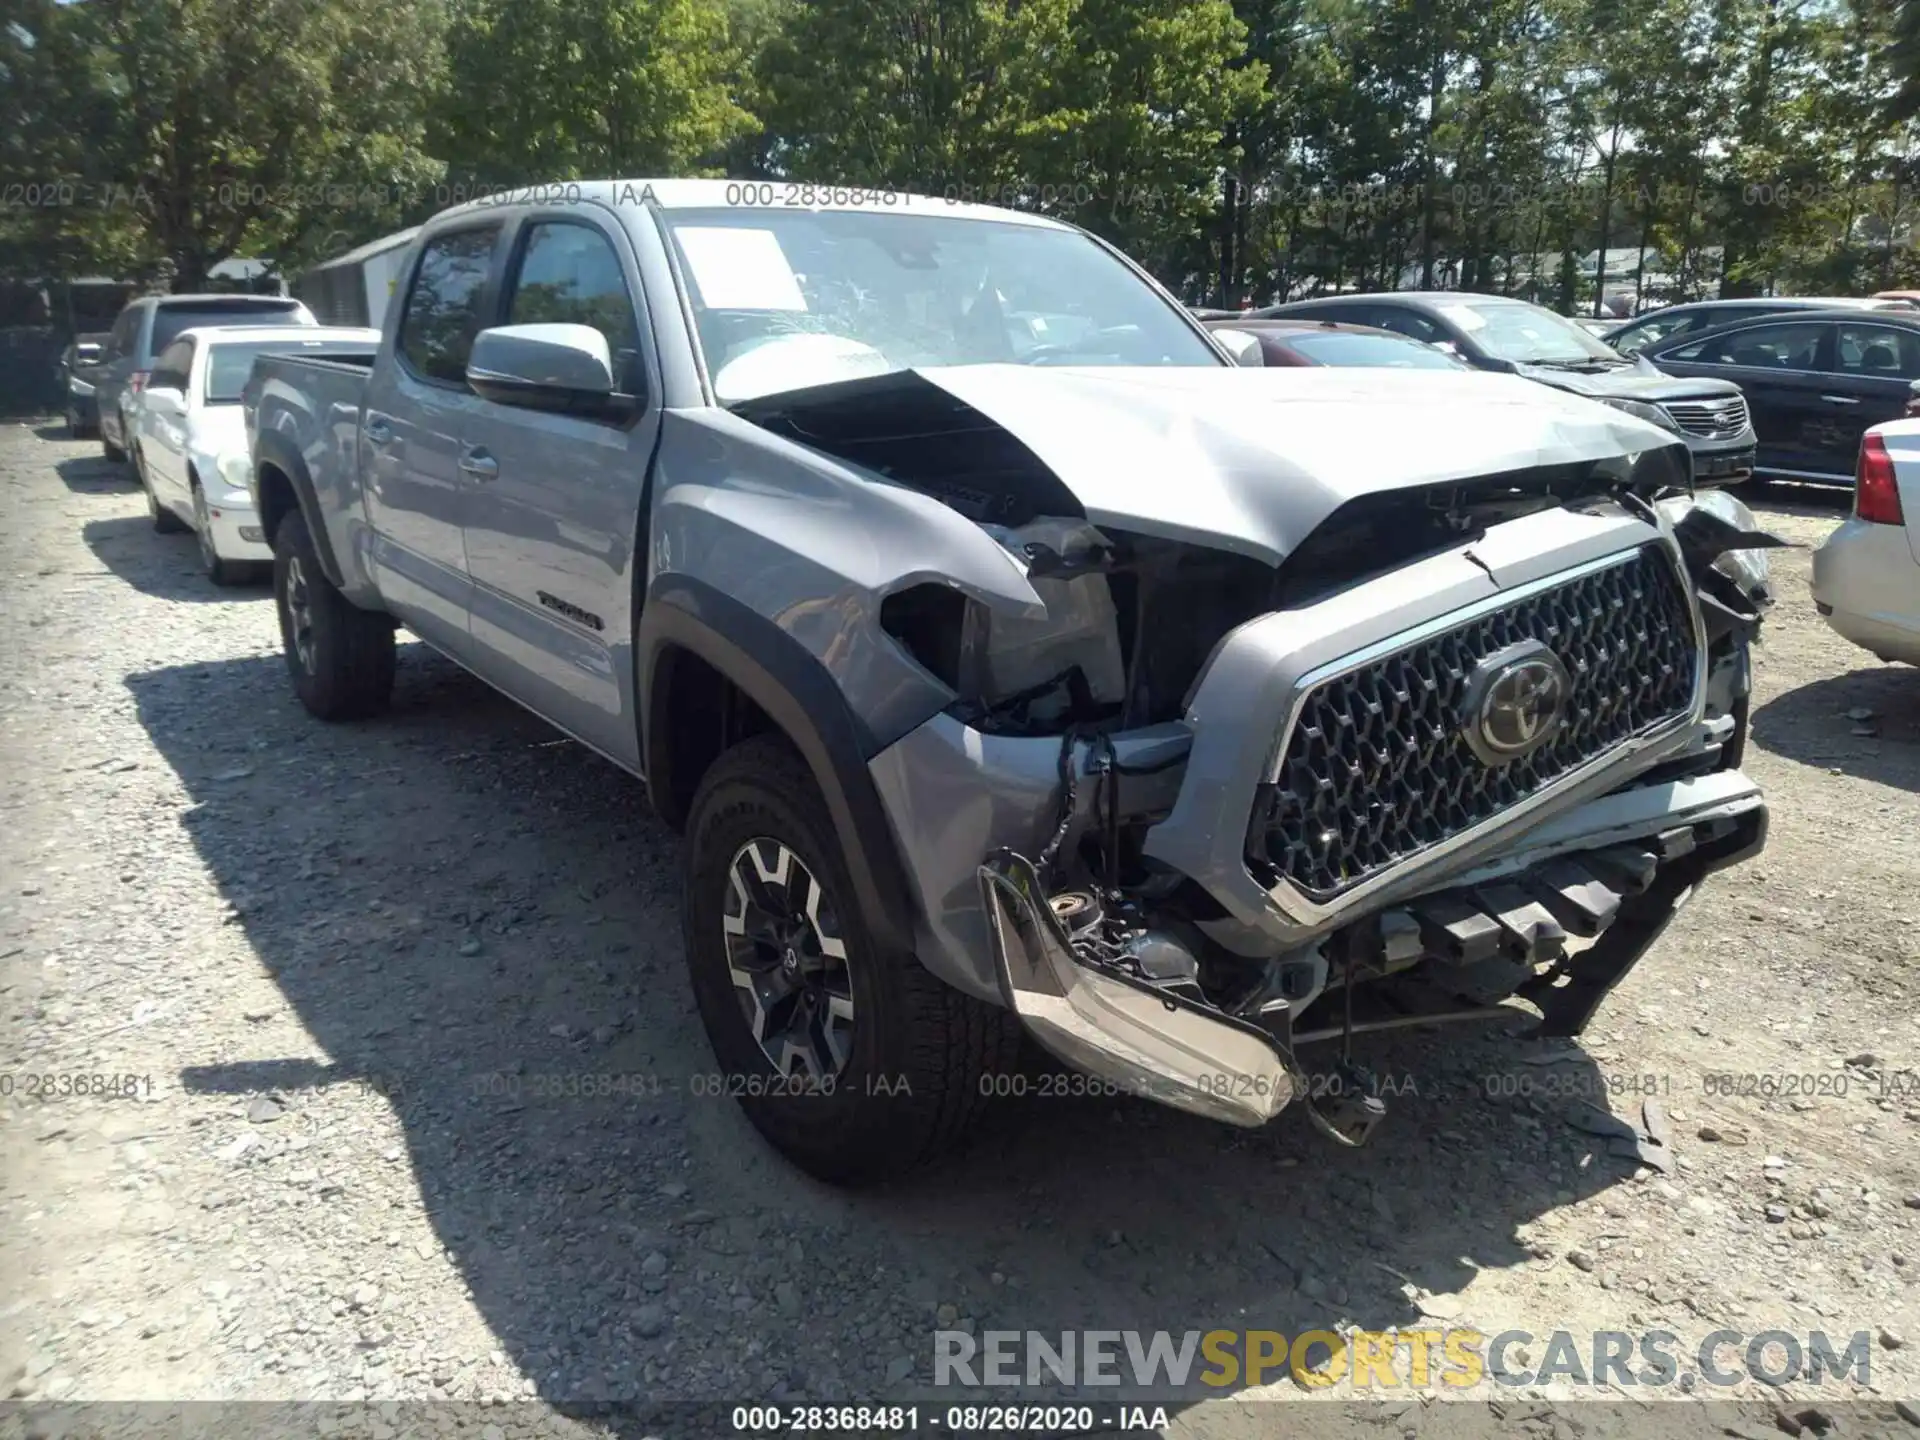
(1442, 750)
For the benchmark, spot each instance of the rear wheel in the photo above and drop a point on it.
(340, 656)
(857, 1064)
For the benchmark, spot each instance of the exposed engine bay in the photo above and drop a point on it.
(1365, 893)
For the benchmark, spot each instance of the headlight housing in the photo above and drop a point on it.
(236, 469)
(77, 386)
(1642, 410)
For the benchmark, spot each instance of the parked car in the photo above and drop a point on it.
(1327, 342)
(1816, 381)
(1909, 298)
(150, 324)
(79, 368)
(1696, 317)
(188, 438)
(1096, 686)
(1493, 332)
(1866, 577)
(1599, 329)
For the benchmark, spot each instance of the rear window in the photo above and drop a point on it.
(170, 320)
(1337, 348)
(230, 364)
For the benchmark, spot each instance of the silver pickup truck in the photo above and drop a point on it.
(1015, 661)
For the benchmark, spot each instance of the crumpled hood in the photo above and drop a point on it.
(1242, 459)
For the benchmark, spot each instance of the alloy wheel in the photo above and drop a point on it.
(787, 961)
(299, 607)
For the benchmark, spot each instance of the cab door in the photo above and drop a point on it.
(415, 431)
(553, 507)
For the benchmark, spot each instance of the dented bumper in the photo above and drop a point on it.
(1143, 1040)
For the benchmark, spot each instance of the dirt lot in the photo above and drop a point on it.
(348, 972)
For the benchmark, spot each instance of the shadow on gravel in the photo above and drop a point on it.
(94, 475)
(166, 566)
(479, 920)
(1815, 724)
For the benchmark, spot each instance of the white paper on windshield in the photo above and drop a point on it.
(1465, 316)
(739, 269)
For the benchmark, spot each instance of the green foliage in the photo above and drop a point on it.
(1240, 148)
(182, 132)
(545, 90)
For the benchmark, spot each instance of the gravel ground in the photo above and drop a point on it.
(356, 974)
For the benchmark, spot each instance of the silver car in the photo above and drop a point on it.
(1866, 578)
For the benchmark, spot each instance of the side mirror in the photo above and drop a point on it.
(1244, 347)
(564, 368)
(1913, 398)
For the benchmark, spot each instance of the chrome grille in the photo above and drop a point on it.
(1376, 768)
(1709, 419)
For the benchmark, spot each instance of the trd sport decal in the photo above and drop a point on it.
(572, 612)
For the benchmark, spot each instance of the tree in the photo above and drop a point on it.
(194, 130)
(545, 90)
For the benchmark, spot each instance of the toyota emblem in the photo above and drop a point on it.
(1516, 700)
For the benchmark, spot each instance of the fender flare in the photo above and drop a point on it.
(276, 450)
(798, 694)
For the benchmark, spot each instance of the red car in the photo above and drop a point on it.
(1326, 342)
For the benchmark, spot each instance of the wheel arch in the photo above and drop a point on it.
(283, 484)
(710, 672)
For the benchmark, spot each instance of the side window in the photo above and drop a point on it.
(443, 307)
(570, 275)
(1791, 346)
(1878, 351)
(1404, 322)
(170, 370)
(1649, 332)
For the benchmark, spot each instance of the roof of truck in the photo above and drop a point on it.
(749, 195)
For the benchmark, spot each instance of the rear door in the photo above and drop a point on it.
(1778, 365)
(1874, 367)
(553, 503)
(415, 430)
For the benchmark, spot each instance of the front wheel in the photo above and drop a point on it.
(855, 1063)
(224, 573)
(340, 656)
(164, 520)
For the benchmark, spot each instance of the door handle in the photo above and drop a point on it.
(377, 430)
(1841, 399)
(479, 464)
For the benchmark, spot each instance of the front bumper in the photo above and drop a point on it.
(1866, 585)
(1607, 856)
(1723, 462)
(234, 526)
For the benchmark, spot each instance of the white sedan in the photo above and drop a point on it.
(189, 440)
(1866, 577)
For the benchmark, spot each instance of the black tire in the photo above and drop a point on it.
(78, 431)
(340, 656)
(921, 1053)
(164, 520)
(112, 451)
(223, 573)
